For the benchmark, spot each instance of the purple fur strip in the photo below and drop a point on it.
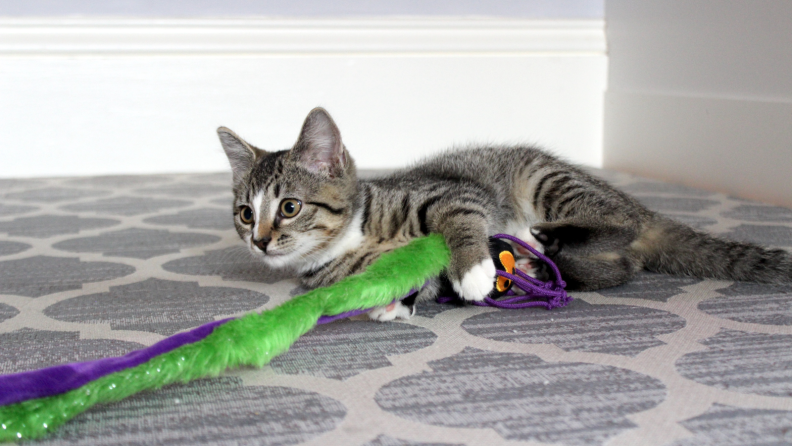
(63, 378)
(58, 379)
(328, 319)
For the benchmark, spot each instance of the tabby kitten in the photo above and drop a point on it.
(304, 208)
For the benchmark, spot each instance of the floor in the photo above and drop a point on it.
(96, 267)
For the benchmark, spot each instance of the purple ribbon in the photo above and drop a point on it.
(58, 379)
(328, 319)
(63, 378)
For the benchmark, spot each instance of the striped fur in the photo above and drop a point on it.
(599, 236)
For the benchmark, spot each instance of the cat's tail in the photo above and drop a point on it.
(670, 247)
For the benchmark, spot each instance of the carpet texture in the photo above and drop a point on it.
(99, 266)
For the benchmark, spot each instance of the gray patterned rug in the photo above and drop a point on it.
(96, 267)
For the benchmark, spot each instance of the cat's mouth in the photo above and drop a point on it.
(268, 253)
(279, 256)
(272, 255)
(280, 259)
(263, 252)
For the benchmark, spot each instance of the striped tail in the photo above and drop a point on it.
(673, 248)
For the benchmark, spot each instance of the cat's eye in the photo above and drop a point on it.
(246, 215)
(290, 207)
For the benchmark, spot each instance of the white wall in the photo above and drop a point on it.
(554, 9)
(99, 96)
(700, 92)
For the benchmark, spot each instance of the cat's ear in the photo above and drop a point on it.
(319, 148)
(241, 155)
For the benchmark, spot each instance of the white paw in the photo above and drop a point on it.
(526, 236)
(391, 312)
(477, 282)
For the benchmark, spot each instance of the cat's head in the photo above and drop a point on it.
(290, 206)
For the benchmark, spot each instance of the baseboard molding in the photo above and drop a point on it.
(103, 96)
(741, 146)
(27, 36)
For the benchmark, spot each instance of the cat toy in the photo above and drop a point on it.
(36, 402)
(535, 293)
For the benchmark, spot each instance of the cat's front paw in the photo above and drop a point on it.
(477, 282)
(396, 310)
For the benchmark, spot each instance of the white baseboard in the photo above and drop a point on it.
(279, 36)
(739, 146)
(105, 96)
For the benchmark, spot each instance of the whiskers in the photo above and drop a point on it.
(235, 254)
(320, 243)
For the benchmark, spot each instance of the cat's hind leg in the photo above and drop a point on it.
(590, 256)
(588, 273)
(396, 310)
(582, 237)
(406, 308)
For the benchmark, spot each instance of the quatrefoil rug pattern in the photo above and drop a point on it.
(99, 266)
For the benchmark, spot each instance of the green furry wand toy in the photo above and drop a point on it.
(36, 402)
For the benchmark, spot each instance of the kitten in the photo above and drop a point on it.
(305, 208)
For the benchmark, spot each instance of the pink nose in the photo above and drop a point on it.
(262, 243)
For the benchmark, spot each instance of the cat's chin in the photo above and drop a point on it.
(278, 261)
(297, 259)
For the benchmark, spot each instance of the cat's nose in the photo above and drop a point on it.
(262, 243)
